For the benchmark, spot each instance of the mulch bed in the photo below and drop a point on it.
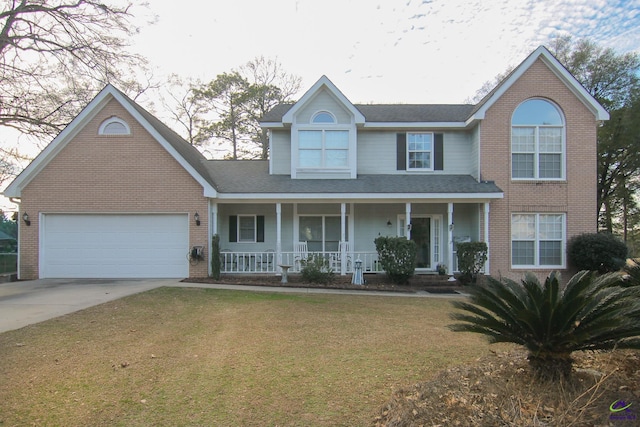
(373, 282)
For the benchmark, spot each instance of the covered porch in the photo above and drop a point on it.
(260, 237)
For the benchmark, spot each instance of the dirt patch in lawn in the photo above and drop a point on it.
(498, 390)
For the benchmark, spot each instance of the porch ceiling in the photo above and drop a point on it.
(252, 177)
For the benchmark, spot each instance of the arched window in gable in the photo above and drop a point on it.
(323, 117)
(537, 141)
(114, 126)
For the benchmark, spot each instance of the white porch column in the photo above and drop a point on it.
(279, 234)
(214, 218)
(342, 248)
(407, 215)
(486, 237)
(343, 221)
(450, 236)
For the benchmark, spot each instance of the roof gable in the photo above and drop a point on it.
(323, 84)
(557, 68)
(185, 154)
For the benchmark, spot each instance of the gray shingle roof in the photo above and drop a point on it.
(186, 150)
(395, 112)
(252, 176)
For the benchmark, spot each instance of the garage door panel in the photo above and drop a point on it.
(114, 246)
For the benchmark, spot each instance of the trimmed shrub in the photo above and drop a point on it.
(216, 263)
(397, 255)
(601, 252)
(471, 259)
(316, 269)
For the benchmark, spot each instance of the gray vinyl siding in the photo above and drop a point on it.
(324, 101)
(475, 152)
(281, 152)
(377, 153)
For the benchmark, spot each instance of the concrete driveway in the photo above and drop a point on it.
(29, 302)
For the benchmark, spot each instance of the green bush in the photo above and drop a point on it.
(471, 259)
(216, 263)
(397, 255)
(551, 321)
(601, 252)
(316, 269)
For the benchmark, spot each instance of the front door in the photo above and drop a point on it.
(426, 232)
(421, 234)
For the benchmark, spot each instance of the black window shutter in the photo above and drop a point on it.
(260, 228)
(401, 151)
(438, 155)
(233, 228)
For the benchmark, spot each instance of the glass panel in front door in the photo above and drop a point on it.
(421, 234)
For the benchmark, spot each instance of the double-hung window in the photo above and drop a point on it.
(420, 151)
(323, 148)
(537, 240)
(246, 228)
(323, 144)
(537, 141)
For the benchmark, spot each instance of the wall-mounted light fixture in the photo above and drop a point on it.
(25, 218)
(388, 223)
(197, 218)
(409, 226)
(451, 226)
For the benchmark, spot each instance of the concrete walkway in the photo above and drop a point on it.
(28, 302)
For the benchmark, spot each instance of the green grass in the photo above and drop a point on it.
(211, 357)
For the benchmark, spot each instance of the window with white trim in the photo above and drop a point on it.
(537, 240)
(323, 143)
(321, 232)
(114, 126)
(420, 151)
(537, 141)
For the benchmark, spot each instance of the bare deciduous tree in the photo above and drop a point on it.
(56, 55)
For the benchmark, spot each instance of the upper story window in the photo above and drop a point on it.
(323, 117)
(420, 151)
(323, 148)
(114, 126)
(323, 143)
(537, 141)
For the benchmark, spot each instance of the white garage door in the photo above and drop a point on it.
(114, 246)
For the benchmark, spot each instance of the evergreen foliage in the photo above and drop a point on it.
(316, 269)
(397, 255)
(601, 252)
(593, 312)
(216, 262)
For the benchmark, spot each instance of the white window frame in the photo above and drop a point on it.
(323, 129)
(431, 151)
(104, 127)
(239, 238)
(536, 242)
(324, 227)
(323, 112)
(536, 151)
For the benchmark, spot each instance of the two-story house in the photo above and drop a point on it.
(118, 194)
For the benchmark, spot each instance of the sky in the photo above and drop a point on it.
(378, 51)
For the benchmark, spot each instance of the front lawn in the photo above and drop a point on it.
(176, 356)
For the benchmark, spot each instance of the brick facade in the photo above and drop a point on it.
(105, 174)
(576, 196)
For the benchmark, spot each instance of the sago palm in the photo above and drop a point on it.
(590, 313)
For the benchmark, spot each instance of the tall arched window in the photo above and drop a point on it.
(537, 141)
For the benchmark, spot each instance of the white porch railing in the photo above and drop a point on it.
(269, 262)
